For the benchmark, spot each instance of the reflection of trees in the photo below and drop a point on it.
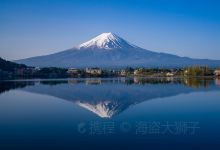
(9, 85)
(191, 82)
(53, 82)
(197, 82)
(158, 80)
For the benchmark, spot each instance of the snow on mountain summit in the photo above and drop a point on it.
(106, 41)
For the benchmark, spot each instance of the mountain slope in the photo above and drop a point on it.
(109, 50)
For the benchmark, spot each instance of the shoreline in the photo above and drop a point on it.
(106, 77)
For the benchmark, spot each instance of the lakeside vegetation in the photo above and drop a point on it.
(11, 70)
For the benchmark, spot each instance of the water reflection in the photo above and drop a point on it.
(9, 85)
(110, 97)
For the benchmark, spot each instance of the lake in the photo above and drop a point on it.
(110, 113)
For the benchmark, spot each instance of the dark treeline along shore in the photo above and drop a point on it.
(11, 70)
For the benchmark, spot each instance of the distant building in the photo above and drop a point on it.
(123, 73)
(73, 71)
(139, 71)
(169, 74)
(217, 72)
(37, 68)
(186, 72)
(94, 71)
(136, 72)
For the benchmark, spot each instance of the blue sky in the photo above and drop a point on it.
(38, 27)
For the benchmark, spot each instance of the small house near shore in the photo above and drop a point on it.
(73, 71)
(170, 74)
(217, 72)
(94, 71)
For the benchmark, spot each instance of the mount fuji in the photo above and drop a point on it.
(110, 50)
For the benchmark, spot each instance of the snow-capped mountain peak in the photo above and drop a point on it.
(106, 41)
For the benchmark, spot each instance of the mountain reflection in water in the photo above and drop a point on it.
(110, 96)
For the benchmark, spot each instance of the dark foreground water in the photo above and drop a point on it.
(119, 113)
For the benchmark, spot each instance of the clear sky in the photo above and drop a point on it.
(38, 27)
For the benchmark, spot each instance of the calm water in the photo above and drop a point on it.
(118, 113)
